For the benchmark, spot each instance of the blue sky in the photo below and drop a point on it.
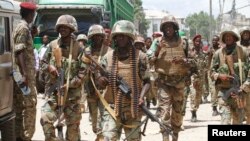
(183, 8)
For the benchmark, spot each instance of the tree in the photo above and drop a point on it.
(139, 18)
(199, 24)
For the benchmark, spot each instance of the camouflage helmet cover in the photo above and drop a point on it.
(123, 27)
(67, 20)
(94, 30)
(169, 19)
(230, 30)
(139, 39)
(81, 37)
(245, 28)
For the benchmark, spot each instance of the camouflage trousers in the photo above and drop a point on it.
(25, 108)
(152, 91)
(247, 109)
(229, 111)
(112, 129)
(186, 94)
(196, 92)
(72, 115)
(95, 111)
(214, 94)
(171, 100)
(206, 85)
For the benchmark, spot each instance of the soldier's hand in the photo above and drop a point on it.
(52, 70)
(141, 101)
(102, 82)
(225, 77)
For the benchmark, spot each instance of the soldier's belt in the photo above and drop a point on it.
(170, 80)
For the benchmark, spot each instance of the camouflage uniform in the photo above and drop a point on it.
(246, 43)
(97, 52)
(25, 106)
(197, 79)
(173, 70)
(126, 110)
(220, 70)
(71, 108)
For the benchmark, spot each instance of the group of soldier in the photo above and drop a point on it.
(117, 69)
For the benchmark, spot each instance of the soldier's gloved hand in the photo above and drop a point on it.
(225, 77)
(52, 70)
(102, 82)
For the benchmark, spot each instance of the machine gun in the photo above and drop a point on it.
(121, 83)
(126, 90)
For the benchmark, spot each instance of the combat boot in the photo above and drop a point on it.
(215, 111)
(194, 117)
(154, 101)
(205, 100)
(165, 136)
(175, 138)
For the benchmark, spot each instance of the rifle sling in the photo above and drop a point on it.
(240, 64)
(106, 105)
(68, 75)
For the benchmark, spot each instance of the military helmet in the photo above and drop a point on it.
(231, 30)
(81, 37)
(169, 19)
(67, 20)
(139, 39)
(245, 28)
(94, 30)
(123, 27)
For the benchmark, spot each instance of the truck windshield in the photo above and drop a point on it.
(47, 23)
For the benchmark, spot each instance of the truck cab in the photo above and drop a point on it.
(9, 17)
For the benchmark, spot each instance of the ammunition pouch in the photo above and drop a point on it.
(172, 80)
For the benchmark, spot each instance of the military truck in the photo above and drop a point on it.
(9, 17)
(86, 12)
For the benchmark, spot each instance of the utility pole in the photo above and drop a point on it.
(210, 22)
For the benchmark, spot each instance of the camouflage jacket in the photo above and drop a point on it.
(23, 42)
(49, 58)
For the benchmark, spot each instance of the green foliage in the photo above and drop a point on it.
(139, 17)
(199, 24)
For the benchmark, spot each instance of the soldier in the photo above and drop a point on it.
(197, 80)
(214, 91)
(24, 64)
(229, 70)
(245, 42)
(82, 40)
(173, 68)
(124, 61)
(61, 61)
(97, 49)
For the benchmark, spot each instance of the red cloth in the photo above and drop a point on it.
(157, 34)
(28, 5)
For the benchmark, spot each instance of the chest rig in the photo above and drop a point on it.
(169, 51)
(60, 57)
(128, 69)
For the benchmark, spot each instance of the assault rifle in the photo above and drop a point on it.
(121, 83)
(60, 102)
(126, 90)
(234, 89)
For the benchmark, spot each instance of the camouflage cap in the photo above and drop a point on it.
(245, 28)
(139, 39)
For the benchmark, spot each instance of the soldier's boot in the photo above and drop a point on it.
(60, 132)
(205, 100)
(165, 136)
(175, 138)
(154, 101)
(215, 111)
(194, 116)
(148, 103)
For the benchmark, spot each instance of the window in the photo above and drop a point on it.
(4, 35)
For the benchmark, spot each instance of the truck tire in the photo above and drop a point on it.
(8, 130)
